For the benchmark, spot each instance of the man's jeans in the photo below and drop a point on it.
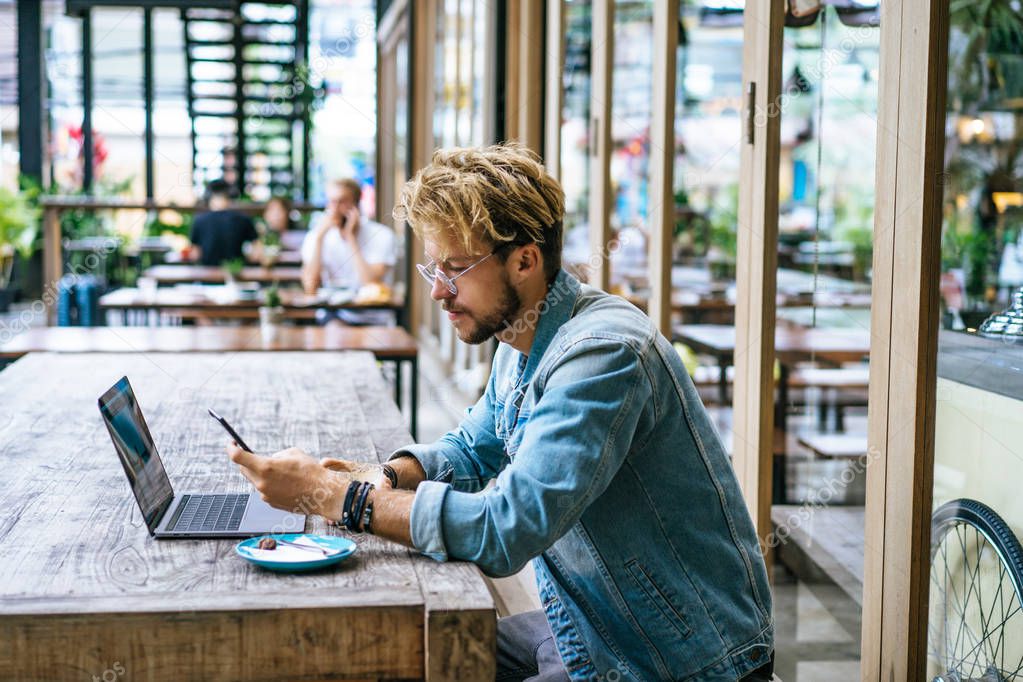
(526, 652)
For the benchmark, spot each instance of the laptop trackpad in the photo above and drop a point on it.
(261, 517)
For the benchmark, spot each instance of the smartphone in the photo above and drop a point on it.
(230, 430)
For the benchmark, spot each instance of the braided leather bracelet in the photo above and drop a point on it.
(391, 475)
(346, 505)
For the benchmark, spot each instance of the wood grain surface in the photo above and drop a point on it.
(211, 274)
(84, 586)
(383, 342)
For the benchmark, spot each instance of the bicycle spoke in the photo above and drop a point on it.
(978, 623)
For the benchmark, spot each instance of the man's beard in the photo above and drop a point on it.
(485, 328)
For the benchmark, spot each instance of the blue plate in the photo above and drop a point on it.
(294, 559)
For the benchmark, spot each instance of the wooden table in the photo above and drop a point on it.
(85, 590)
(287, 257)
(211, 274)
(202, 302)
(791, 345)
(835, 445)
(388, 344)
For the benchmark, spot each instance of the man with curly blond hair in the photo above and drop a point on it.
(608, 474)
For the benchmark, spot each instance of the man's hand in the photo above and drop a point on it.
(357, 471)
(350, 225)
(328, 222)
(294, 481)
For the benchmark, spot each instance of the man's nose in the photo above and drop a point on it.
(439, 291)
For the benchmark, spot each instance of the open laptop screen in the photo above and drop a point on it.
(133, 442)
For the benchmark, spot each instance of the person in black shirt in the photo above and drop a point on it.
(220, 233)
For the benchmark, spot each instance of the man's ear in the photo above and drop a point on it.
(527, 260)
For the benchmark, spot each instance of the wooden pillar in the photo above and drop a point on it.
(905, 315)
(422, 48)
(554, 68)
(601, 65)
(662, 164)
(53, 261)
(753, 449)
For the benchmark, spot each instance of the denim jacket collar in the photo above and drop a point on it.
(554, 311)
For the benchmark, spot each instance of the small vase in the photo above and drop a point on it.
(269, 323)
(271, 316)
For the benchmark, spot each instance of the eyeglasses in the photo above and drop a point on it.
(432, 272)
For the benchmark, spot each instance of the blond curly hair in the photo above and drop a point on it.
(486, 196)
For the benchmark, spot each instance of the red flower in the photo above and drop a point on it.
(99, 145)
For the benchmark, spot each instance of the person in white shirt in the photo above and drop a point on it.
(345, 250)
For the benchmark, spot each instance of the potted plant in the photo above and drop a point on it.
(271, 313)
(19, 225)
(723, 237)
(233, 270)
(270, 248)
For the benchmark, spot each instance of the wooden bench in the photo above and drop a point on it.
(843, 387)
(835, 445)
(826, 540)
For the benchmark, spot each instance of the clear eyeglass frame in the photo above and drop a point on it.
(432, 272)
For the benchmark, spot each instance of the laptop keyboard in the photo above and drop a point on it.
(204, 513)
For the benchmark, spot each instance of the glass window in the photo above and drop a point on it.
(975, 626)
(342, 58)
(575, 133)
(828, 119)
(8, 96)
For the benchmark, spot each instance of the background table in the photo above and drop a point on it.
(83, 587)
(388, 344)
(191, 303)
(212, 274)
(791, 345)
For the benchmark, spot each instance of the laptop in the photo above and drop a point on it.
(189, 515)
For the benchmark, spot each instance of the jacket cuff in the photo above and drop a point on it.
(426, 528)
(436, 465)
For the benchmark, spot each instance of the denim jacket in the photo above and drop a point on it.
(609, 477)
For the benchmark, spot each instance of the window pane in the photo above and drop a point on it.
(979, 414)
(828, 123)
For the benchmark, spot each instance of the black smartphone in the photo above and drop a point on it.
(230, 430)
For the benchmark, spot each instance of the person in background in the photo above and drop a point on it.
(345, 250)
(277, 218)
(221, 233)
(277, 232)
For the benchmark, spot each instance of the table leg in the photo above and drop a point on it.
(781, 408)
(398, 367)
(723, 381)
(414, 418)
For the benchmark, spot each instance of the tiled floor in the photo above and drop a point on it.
(817, 631)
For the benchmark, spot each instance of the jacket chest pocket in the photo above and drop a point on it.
(509, 418)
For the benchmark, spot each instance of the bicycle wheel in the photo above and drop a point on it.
(975, 629)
